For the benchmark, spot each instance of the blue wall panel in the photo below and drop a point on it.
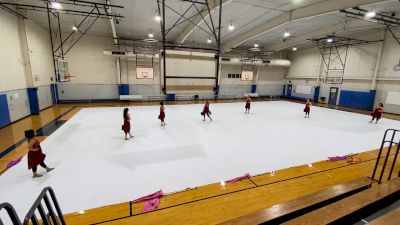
(316, 93)
(372, 95)
(33, 101)
(123, 89)
(357, 99)
(253, 88)
(54, 93)
(4, 113)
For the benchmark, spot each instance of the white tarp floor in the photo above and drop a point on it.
(95, 166)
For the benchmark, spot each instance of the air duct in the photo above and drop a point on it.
(272, 62)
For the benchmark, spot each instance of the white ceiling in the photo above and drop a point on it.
(245, 15)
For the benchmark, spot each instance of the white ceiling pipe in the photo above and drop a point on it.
(272, 62)
(129, 54)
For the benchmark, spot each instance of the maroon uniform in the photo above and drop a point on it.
(127, 125)
(35, 157)
(307, 108)
(247, 104)
(206, 110)
(377, 113)
(162, 114)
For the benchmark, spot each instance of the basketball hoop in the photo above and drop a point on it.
(247, 75)
(333, 80)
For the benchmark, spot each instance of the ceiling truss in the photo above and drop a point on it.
(390, 21)
(334, 51)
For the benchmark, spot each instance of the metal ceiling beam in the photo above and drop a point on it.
(317, 9)
(61, 11)
(12, 11)
(198, 19)
(337, 28)
(84, 3)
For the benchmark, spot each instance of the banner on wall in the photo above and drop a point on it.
(393, 98)
(144, 72)
(304, 89)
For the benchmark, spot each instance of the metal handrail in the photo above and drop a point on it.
(11, 213)
(46, 219)
(391, 142)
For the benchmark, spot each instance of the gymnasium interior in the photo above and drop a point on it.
(238, 112)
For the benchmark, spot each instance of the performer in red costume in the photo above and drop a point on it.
(206, 111)
(377, 114)
(127, 124)
(162, 114)
(247, 106)
(307, 109)
(35, 154)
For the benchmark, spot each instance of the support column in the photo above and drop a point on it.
(317, 87)
(31, 89)
(378, 59)
(123, 89)
(372, 92)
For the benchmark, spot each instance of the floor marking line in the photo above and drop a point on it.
(20, 142)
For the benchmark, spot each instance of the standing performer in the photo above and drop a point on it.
(162, 114)
(206, 111)
(35, 154)
(127, 124)
(307, 109)
(377, 114)
(247, 106)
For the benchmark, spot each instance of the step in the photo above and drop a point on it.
(353, 208)
(391, 218)
(297, 207)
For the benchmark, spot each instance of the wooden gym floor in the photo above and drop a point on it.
(209, 204)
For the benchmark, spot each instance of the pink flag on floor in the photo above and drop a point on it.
(234, 180)
(157, 194)
(339, 158)
(152, 201)
(13, 162)
(151, 204)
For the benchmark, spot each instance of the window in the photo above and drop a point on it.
(229, 75)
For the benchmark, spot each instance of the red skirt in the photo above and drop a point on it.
(247, 105)
(161, 116)
(306, 109)
(126, 127)
(35, 158)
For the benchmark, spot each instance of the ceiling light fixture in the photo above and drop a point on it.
(74, 28)
(209, 40)
(256, 45)
(56, 5)
(231, 27)
(329, 40)
(286, 34)
(157, 18)
(370, 14)
(151, 35)
(294, 49)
